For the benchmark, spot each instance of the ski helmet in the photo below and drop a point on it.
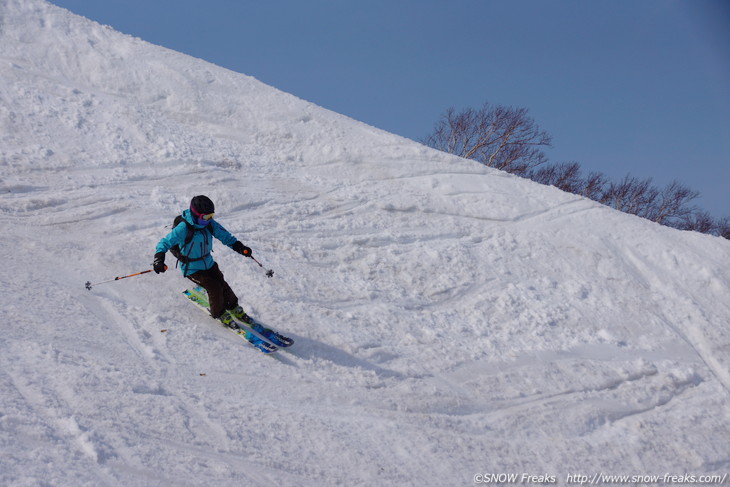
(202, 205)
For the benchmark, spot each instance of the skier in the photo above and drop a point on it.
(194, 236)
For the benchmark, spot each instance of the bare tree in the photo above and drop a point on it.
(698, 221)
(631, 195)
(507, 138)
(501, 137)
(723, 227)
(568, 177)
(565, 176)
(594, 186)
(671, 206)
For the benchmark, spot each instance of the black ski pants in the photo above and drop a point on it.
(220, 295)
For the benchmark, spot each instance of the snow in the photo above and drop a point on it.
(451, 321)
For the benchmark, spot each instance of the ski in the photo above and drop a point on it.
(199, 297)
(271, 336)
(249, 324)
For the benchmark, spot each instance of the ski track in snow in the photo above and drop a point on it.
(448, 319)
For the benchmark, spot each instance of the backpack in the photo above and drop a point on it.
(175, 250)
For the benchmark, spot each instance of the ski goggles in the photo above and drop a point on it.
(200, 216)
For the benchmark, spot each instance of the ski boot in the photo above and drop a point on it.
(227, 319)
(239, 314)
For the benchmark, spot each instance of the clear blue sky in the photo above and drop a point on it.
(623, 86)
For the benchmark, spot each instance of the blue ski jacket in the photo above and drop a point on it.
(199, 248)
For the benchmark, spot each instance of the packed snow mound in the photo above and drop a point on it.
(166, 106)
(450, 320)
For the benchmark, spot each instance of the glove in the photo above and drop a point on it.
(158, 265)
(241, 249)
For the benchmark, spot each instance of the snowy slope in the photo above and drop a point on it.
(450, 320)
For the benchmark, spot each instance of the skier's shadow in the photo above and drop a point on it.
(310, 349)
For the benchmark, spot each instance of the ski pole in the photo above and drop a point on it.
(269, 272)
(89, 284)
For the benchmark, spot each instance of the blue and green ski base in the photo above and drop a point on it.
(262, 338)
